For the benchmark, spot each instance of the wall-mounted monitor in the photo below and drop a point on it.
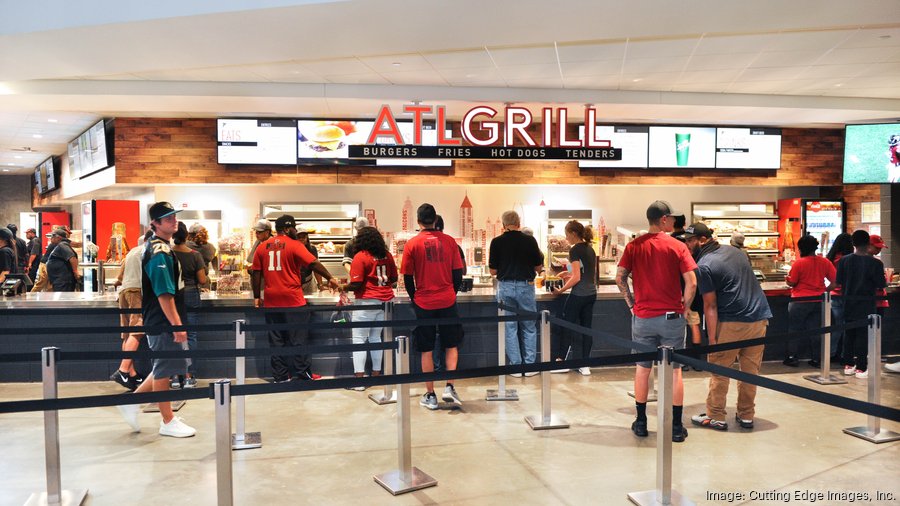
(38, 183)
(326, 141)
(872, 153)
(633, 140)
(92, 151)
(748, 148)
(256, 141)
(688, 147)
(46, 176)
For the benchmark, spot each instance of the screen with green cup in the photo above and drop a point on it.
(682, 147)
(872, 153)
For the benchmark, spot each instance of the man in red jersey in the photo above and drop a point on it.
(277, 263)
(432, 272)
(657, 263)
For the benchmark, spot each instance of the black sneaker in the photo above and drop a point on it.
(679, 433)
(123, 379)
(791, 362)
(745, 424)
(639, 427)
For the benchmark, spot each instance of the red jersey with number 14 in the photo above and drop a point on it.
(281, 259)
(376, 275)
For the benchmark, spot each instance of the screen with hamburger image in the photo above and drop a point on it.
(327, 141)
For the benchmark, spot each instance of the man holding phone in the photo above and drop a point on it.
(657, 264)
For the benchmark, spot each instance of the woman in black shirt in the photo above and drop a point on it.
(193, 273)
(579, 305)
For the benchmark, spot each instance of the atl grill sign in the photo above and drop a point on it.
(481, 131)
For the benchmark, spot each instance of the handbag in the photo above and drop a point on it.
(340, 316)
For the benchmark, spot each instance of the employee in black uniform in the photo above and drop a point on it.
(62, 264)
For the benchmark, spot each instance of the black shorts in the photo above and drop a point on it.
(424, 335)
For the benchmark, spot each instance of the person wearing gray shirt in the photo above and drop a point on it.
(579, 306)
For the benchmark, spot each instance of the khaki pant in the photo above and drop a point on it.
(748, 360)
(130, 299)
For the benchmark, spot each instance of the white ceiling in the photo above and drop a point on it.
(801, 63)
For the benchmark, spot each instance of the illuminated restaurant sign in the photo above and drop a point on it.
(483, 137)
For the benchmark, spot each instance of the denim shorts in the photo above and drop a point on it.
(166, 367)
(657, 331)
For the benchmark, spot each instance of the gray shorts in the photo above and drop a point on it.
(656, 332)
(166, 367)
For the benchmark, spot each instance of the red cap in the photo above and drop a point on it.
(877, 241)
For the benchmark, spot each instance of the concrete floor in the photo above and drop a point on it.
(324, 447)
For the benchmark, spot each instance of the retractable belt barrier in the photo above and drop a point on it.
(309, 308)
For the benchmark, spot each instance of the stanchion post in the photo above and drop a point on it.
(241, 440)
(547, 420)
(389, 396)
(501, 393)
(224, 480)
(54, 496)
(873, 432)
(405, 478)
(825, 377)
(663, 494)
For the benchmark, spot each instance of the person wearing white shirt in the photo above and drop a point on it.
(130, 298)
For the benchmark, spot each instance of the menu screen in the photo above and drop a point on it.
(632, 140)
(257, 141)
(326, 141)
(748, 148)
(47, 168)
(677, 147)
(74, 159)
(37, 181)
(96, 138)
(872, 153)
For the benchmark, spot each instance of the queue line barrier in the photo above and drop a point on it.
(662, 494)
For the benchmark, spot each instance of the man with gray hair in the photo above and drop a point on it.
(515, 259)
(350, 246)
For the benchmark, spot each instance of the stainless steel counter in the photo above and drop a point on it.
(478, 294)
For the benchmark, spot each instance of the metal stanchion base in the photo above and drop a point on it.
(831, 379)
(248, 441)
(540, 423)
(883, 436)
(68, 498)
(648, 498)
(393, 481)
(154, 408)
(381, 400)
(651, 397)
(509, 394)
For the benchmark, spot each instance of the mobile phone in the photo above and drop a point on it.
(672, 316)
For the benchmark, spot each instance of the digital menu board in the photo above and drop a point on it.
(326, 141)
(632, 140)
(89, 152)
(256, 141)
(872, 153)
(748, 148)
(45, 177)
(682, 147)
(38, 184)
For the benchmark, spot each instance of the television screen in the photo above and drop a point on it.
(872, 153)
(90, 152)
(748, 148)
(429, 138)
(38, 184)
(74, 159)
(327, 141)
(682, 147)
(96, 140)
(632, 140)
(257, 141)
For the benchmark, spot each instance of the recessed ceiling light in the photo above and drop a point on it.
(838, 85)
(639, 79)
(10, 164)
(470, 76)
(38, 136)
(396, 64)
(18, 157)
(5, 170)
(51, 120)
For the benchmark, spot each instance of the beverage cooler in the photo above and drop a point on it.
(110, 228)
(329, 224)
(757, 222)
(823, 219)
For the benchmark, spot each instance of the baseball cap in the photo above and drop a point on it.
(284, 222)
(33, 231)
(659, 209)
(160, 210)
(697, 230)
(426, 214)
(877, 241)
(60, 232)
(5, 234)
(262, 225)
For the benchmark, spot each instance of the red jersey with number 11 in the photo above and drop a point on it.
(376, 275)
(281, 259)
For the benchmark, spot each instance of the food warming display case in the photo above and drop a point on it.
(329, 224)
(756, 221)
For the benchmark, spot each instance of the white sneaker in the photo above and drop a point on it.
(585, 371)
(559, 371)
(849, 370)
(176, 428)
(895, 367)
(130, 413)
(862, 374)
(531, 373)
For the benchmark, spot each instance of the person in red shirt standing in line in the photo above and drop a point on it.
(278, 262)
(373, 275)
(806, 279)
(657, 263)
(432, 272)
